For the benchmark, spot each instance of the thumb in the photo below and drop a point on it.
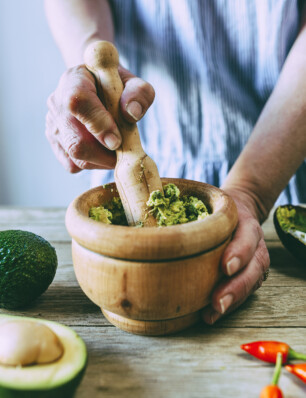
(137, 96)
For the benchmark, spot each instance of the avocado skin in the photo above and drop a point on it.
(27, 267)
(64, 391)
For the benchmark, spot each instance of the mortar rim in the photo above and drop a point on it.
(153, 243)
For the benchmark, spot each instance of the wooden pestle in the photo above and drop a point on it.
(136, 174)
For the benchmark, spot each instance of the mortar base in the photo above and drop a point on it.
(152, 328)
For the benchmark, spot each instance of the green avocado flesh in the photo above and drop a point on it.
(292, 222)
(27, 267)
(110, 213)
(167, 207)
(58, 379)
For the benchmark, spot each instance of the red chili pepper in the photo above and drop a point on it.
(267, 350)
(299, 370)
(273, 391)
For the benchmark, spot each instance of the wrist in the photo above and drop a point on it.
(247, 197)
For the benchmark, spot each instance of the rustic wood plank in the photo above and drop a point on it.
(269, 307)
(200, 362)
(40, 215)
(46, 222)
(50, 232)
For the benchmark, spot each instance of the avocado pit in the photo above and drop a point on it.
(26, 343)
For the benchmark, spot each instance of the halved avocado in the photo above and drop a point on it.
(56, 379)
(290, 225)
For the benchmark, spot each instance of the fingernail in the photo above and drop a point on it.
(210, 317)
(233, 265)
(226, 302)
(111, 141)
(135, 110)
(214, 316)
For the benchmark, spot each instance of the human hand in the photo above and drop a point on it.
(245, 261)
(82, 134)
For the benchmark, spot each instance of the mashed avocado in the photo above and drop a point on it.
(110, 213)
(292, 222)
(290, 219)
(168, 208)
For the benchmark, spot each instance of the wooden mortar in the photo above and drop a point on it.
(151, 281)
(136, 174)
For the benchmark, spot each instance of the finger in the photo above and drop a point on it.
(72, 165)
(233, 291)
(78, 96)
(88, 109)
(210, 315)
(74, 157)
(243, 245)
(137, 96)
(77, 141)
(61, 155)
(82, 146)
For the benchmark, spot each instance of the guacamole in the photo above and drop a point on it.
(167, 207)
(110, 213)
(292, 222)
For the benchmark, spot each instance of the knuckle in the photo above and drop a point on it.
(257, 285)
(262, 257)
(50, 127)
(146, 90)
(49, 120)
(72, 85)
(151, 92)
(81, 164)
(50, 101)
(248, 246)
(99, 121)
(72, 168)
(254, 226)
(140, 90)
(76, 101)
(246, 287)
(68, 75)
(76, 149)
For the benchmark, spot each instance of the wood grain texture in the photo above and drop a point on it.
(160, 243)
(148, 290)
(200, 362)
(147, 278)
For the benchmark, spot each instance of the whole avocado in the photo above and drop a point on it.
(27, 267)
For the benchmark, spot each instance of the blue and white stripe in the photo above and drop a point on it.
(213, 64)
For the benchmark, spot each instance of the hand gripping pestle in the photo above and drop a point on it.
(136, 174)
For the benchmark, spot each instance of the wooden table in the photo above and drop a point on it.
(201, 362)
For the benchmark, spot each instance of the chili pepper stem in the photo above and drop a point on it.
(295, 355)
(277, 370)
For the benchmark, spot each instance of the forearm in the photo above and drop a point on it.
(277, 145)
(76, 23)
